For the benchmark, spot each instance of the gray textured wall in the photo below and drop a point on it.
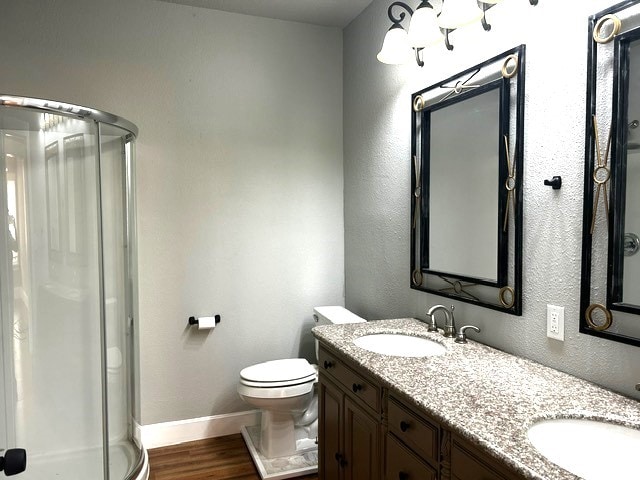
(377, 178)
(240, 204)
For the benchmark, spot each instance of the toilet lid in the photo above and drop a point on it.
(276, 373)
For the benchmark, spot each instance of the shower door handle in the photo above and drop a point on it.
(14, 461)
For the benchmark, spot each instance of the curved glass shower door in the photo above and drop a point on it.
(66, 325)
(116, 152)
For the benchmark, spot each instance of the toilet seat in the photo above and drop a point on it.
(279, 373)
(291, 391)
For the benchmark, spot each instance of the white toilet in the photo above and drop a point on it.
(284, 391)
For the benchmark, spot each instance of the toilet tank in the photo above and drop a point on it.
(334, 315)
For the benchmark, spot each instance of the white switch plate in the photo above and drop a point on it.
(555, 322)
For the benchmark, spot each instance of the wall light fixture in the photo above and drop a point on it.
(429, 24)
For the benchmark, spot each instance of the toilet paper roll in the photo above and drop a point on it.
(205, 323)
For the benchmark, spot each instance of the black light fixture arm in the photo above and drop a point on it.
(398, 20)
(446, 32)
(419, 60)
(485, 6)
(397, 13)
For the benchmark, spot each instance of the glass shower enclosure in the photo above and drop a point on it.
(68, 298)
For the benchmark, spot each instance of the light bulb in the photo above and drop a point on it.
(424, 29)
(458, 13)
(395, 47)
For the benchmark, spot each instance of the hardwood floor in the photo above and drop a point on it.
(221, 458)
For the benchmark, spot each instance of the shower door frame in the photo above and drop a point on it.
(7, 400)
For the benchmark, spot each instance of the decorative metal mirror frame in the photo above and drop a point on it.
(503, 297)
(595, 183)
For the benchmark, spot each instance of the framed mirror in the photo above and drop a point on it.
(467, 164)
(610, 293)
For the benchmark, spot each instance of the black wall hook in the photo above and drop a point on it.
(555, 183)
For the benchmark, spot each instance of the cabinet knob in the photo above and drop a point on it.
(404, 426)
(327, 364)
(403, 476)
(356, 387)
(340, 459)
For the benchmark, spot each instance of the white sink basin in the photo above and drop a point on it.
(590, 449)
(399, 345)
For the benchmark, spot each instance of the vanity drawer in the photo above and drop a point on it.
(355, 383)
(402, 464)
(416, 432)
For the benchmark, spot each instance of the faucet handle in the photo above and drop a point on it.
(461, 337)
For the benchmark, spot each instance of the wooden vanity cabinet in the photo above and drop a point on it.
(403, 464)
(420, 434)
(412, 444)
(468, 462)
(369, 433)
(350, 423)
(330, 430)
(434, 452)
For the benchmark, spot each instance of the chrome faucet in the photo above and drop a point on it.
(449, 323)
(450, 326)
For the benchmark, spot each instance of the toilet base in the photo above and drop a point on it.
(303, 462)
(281, 437)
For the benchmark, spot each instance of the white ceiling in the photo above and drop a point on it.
(332, 13)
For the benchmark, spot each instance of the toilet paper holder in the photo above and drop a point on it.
(193, 320)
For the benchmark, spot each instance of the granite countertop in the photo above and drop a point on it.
(482, 394)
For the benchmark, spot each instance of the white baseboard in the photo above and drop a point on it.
(137, 433)
(171, 433)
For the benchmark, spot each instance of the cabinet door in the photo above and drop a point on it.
(361, 443)
(330, 418)
(470, 464)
